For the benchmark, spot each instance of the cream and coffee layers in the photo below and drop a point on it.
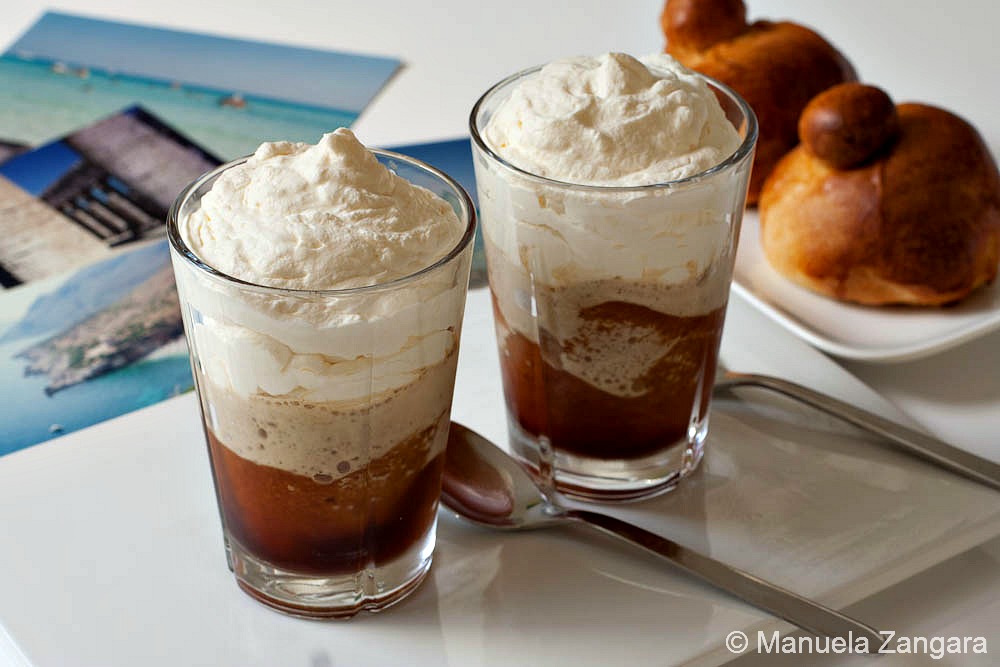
(616, 292)
(321, 387)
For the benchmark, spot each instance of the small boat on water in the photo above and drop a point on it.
(59, 68)
(235, 101)
(56, 428)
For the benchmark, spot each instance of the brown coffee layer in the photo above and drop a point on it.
(577, 416)
(323, 526)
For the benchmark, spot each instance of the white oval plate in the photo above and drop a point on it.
(865, 333)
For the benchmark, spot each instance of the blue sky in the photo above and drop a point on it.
(38, 169)
(452, 157)
(309, 76)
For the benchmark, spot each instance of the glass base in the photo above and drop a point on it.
(609, 480)
(337, 596)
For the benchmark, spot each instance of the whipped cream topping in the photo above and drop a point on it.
(328, 216)
(612, 120)
(250, 352)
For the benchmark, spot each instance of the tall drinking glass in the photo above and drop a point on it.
(608, 340)
(327, 494)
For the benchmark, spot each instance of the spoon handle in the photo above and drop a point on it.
(906, 439)
(782, 603)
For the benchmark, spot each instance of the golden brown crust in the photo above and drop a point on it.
(918, 225)
(776, 67)
(692, 26)
(940, 203)
(847, 125)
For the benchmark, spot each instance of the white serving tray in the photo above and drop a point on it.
(112, 552)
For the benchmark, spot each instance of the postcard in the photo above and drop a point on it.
(79, 348)
(78, 198)
(9, 149)
(228, 95)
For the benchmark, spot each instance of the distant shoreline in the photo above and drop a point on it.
(47, 64)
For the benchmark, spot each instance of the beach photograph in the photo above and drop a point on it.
(98, 188)
(228, 95)
(86, 346)
(9, 149)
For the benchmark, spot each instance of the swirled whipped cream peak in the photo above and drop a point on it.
(612, 120)
(317, 217)
(323, 216)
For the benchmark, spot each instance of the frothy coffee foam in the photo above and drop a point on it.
(613, 357)
(330, 440)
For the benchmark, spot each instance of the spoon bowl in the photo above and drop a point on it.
(483, 485)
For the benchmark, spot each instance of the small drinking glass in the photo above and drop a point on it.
(609, 304)
(328, 494)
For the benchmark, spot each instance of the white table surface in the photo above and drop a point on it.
(940, 53)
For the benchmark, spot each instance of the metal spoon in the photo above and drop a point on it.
(905, 439)
(486, 486)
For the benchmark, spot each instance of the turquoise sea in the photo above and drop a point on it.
(38, 103)
(28, 414)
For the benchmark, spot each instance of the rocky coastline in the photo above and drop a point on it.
(144, 320)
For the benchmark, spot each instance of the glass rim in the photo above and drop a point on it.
(178, 244)
(742, 151)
